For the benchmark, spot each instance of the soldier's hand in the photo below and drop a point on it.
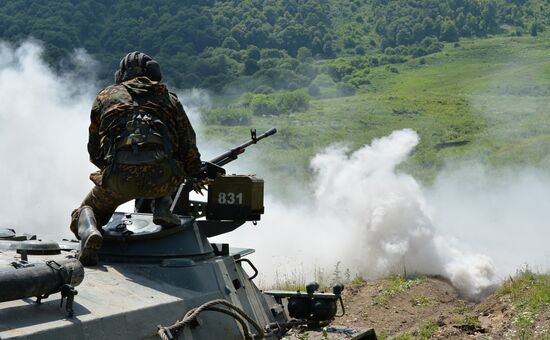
(199, 185)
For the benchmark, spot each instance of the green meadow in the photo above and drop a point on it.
(486, 100)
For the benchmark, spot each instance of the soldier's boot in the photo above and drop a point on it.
(162, 214)
(90, 238)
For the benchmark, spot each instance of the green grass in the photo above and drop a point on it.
(426, 330)
(396, 284)
(421, 301)
(529, 292)
(493, 93)
(467, 317)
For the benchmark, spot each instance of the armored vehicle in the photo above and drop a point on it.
(153, 281)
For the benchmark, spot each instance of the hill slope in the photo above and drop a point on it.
(484, 100)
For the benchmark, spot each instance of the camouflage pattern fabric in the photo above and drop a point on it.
(116, 183)
(116, 101)
(127, 182)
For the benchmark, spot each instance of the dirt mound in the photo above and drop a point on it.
(429, 308)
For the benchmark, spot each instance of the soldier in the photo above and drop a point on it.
(143, 143)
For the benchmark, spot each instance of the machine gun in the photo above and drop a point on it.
(234, 197)
(234, 153)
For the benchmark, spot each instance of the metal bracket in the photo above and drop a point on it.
(68, 292)
(343, 308)
(21, 264)
(39, 298)
(251, 265)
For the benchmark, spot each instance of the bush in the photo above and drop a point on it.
(345, 89)
(231, 43)
(359, 81)
(392, 59)
(228, 116)
(263, 104)
(338, 68)
(292, 101)
(323, 80)
(272, 53)
(246, 99)
(392, 69)
(278, 103)
(313, 90)
(304, 54)
(431, 44)
(418, 51)
(307, 70)
(282, 79)
(250, 67)
(264, 89)
(253, 52)
(374, 61)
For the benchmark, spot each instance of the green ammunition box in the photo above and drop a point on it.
(235, 197)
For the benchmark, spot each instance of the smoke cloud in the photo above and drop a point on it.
(371, 218)
(43, 135)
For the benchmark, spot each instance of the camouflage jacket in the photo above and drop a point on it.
(114, 102)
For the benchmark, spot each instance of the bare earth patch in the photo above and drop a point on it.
(426, 308)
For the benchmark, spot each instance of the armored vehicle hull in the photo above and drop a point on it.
(147, 278)
(150, 283)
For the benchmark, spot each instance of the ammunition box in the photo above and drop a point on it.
(235, 197)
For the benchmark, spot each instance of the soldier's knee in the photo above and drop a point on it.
(75, 215)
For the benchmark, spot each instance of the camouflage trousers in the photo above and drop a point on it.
(126, 182)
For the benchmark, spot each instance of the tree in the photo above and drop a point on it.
(417, 32)
(428, 26)
(489, 15)
(253, 52)
(304, 54)
(534, 29)
(403, 37)
(328, 49)
(231, 43)
(250, 67)
(448, 31)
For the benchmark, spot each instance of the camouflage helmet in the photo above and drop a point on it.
(137, 64)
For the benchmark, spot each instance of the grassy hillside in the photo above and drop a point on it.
(485, 100)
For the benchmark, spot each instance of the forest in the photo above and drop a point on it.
(260, 46)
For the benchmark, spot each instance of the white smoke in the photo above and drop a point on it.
(504, 213)
(43, 135)
(371, 218)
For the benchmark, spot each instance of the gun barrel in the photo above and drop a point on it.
(232, 154)
(268, 133)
